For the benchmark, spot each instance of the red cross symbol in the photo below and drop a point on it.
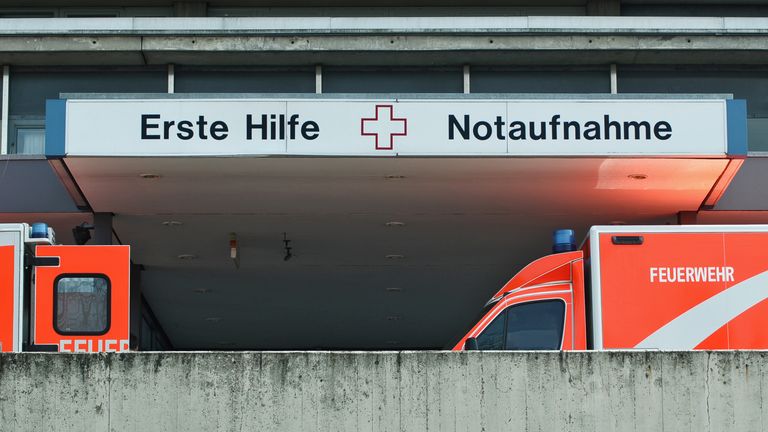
(384, 124)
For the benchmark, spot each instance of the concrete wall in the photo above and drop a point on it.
(408, 391)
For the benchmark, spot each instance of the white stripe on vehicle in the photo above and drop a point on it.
(695, 325)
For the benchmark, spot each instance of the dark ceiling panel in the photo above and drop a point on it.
(31, 186)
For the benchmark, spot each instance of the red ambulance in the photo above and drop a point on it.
(61, 298)
(636, 287)
(642, 287)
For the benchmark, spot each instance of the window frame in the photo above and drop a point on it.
(23, 122)
(505, 309)
(56, 304)
(503, 331)
(562, 331)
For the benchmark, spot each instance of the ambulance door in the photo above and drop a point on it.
(539, 321)
(536, 310)
(648, 281)
(535, 321)
(81, 298)
(11, 256)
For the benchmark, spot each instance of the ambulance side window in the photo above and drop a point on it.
(535, 326)
(492, 338)
(81, 304)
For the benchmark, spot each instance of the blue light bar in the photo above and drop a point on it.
(563, 240)
(39, 230)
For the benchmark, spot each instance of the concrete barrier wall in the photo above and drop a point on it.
(387, 391)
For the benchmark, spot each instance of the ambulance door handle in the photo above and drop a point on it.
(627, 240)
(39, 348)
(45, 261)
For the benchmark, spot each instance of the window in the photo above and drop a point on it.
(26, 135)
(492, 338)
(30, 140)
(81, 304)
(535, 325)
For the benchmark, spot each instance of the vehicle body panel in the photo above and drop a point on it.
(110, 263)
(653, 287)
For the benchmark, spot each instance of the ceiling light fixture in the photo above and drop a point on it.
(233, 250)
(394, 224)
(638, 176)
(149, 176)
(394, 177)
(170, 223)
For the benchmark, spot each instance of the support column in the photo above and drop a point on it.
(102, 223)
(135, 305)
(4, 110)
(171, 78)
(318, 79)
(467, 79)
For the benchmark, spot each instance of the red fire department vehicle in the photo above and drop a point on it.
(61, 298)
(635, 287)
(628, 287)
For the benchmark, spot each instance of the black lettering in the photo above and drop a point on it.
(554, 123)
(293, 121)
(145, 125)
(201, 123)
(542, 135)
(453, 123)
(219, 130)
(499, 123)
(272, 127)
(167, 128)
(608, 124)
(185, 130)
(250, 126)
(310, 130)
(636, 126)
(662, 130)
(483, 136)
(592, 130)
(575, 125)
(517, 130)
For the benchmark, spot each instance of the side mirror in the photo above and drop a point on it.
(471, 344)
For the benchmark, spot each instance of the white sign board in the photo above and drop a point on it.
(332, 127)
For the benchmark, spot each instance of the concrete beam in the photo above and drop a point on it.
(380, 49)
(422, 43)
(384, 40)
(385, 391)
